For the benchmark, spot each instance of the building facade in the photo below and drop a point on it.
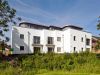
(31, 38)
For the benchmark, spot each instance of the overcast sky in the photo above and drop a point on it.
(83, 13)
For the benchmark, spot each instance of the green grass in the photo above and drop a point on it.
(52, 64)
(65, 73)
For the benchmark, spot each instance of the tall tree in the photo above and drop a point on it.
(98, 25)
(7, 17)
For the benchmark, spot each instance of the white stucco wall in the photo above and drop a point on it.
(66, 42)
(78, 43)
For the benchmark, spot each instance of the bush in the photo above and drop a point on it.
(81, 60)
(39, 63)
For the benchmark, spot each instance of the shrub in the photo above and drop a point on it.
(39, 63)
(81, 60)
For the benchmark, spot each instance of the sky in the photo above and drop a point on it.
(83, 13)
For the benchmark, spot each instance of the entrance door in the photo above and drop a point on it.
(36, 49)
(50, 49)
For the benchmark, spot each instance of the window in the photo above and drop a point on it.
(36, 40)
(58, 49)
(74, 49)
(82, 39)
(82, 48)
(21, 36)
(50, 49)
(58, 38)
(74, 38)
(87, 41)
(50, 40)
(21, 48)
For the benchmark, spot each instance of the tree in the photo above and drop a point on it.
(98, 25)
(97, 47)
(7, 17)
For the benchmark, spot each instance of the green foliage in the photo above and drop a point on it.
(81, 60)
(98, 26)
(7, 17)
(97, 47)
(42, 63)
(12, 49)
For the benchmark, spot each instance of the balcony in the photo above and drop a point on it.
(37, 45)
(50, 45)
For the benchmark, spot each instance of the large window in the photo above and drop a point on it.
(58, 38)
(87, 41)
(50, 40)
(21, 36)
(36, 40)
(21, 48)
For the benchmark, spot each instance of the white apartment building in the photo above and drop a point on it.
(30, 38)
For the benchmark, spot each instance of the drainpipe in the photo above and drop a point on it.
(28, 41)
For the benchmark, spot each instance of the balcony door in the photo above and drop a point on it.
(50, 49)
(37, 50)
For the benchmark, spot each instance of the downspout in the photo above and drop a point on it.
(28, 42)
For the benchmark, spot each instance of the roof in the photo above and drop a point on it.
(96, 37)
(34, 25)
(74, 27)
(37, 26)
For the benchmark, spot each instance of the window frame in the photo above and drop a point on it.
(58, 49)
(74, 38)
(82, 39)
(21, 49)
(74, 49)
(87, 41)
(36, 39)
(21, 36)
(50, 40)
(59, 39)
(82, 49)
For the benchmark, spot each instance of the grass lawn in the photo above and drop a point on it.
(64, 73)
